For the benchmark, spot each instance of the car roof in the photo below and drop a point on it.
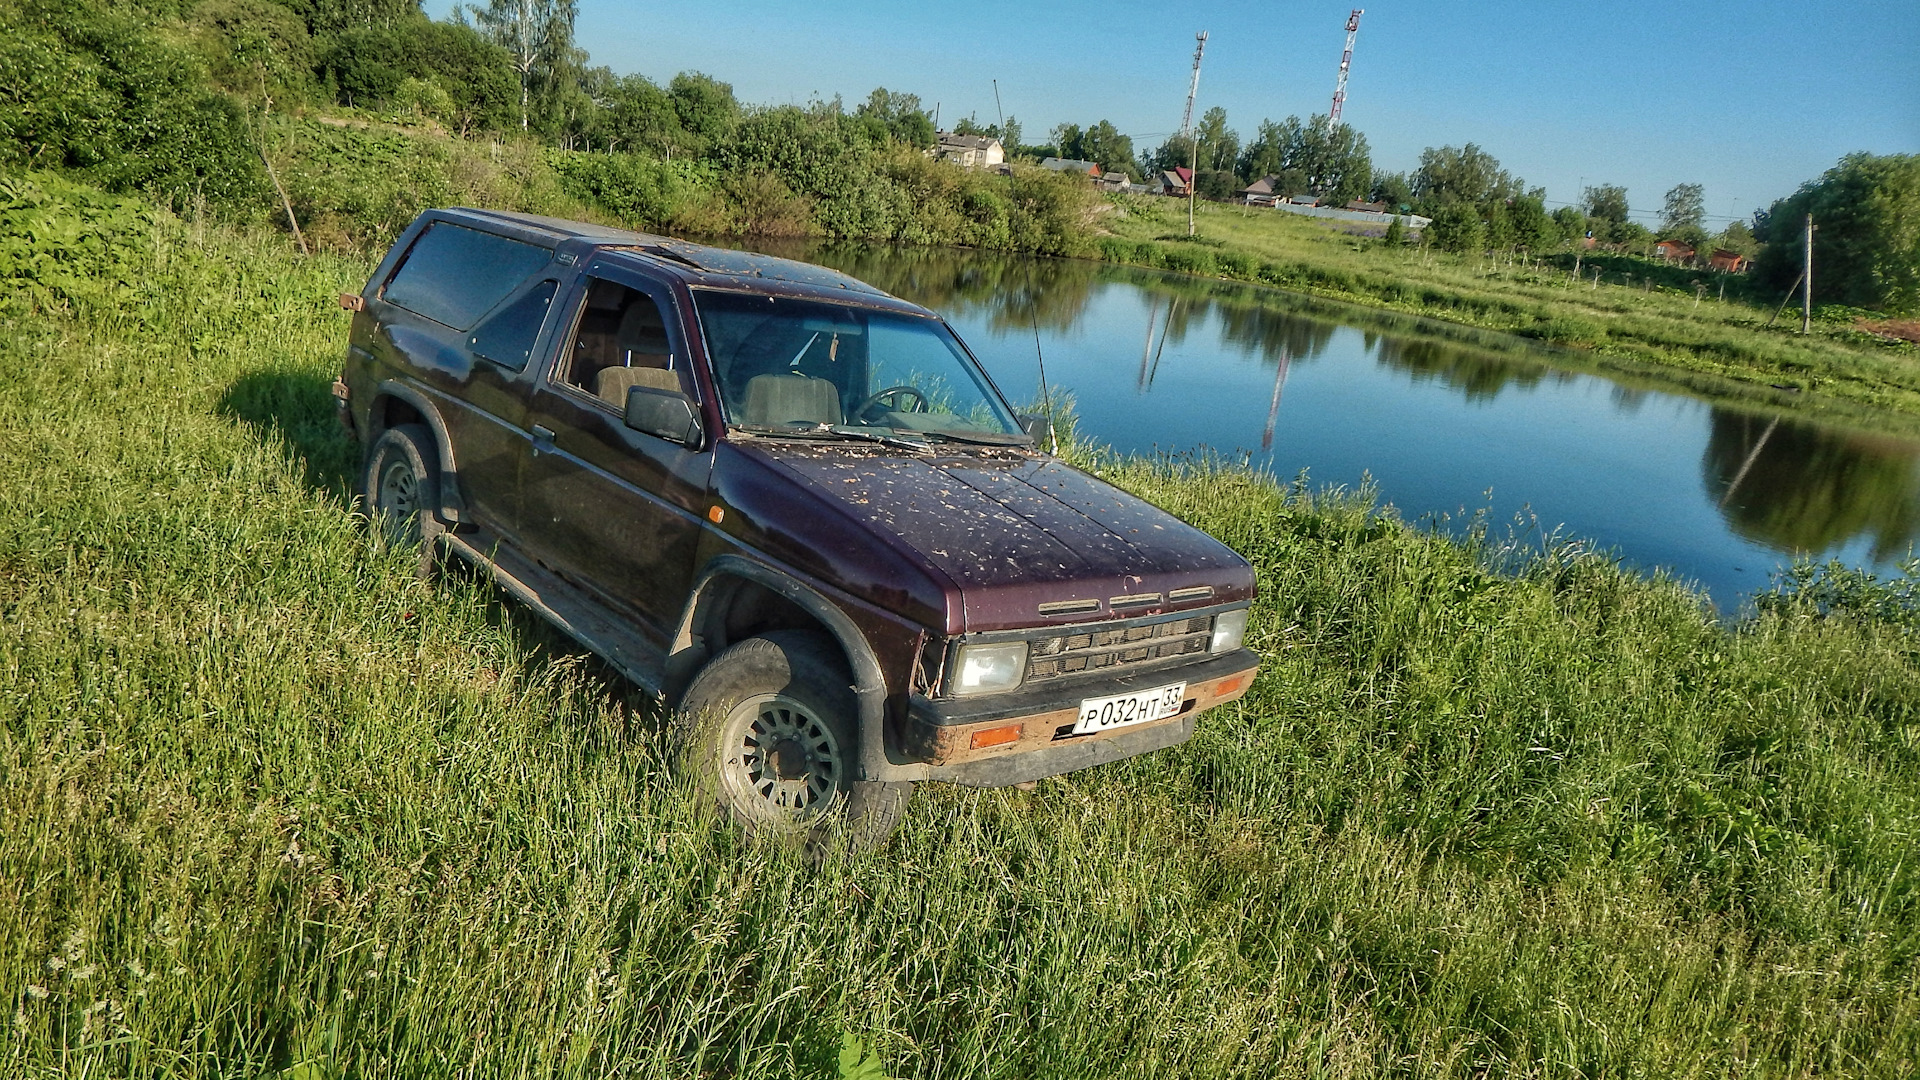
(700, 264)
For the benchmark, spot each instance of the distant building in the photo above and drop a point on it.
(1673, 249)
(1367, 207)
(970, 151)
(1112, 180)
(1261, 192)
(1086, 168)
(1176, 181)
(1731, 262)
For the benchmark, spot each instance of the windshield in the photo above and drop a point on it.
(786, 363)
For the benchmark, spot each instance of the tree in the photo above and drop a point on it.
(1336, 165)
(899, 117)
(1467, 174)
(1737, 238)
(1607, 202)
(705, 105)
(1533, 229)
(1066, 139)
(1571, 221)
(1456, 227)
(1103, 145)
(1265, 155)
(1392, 189)
(1396, 234)
(1685, 208)
(1866, 250)
(1219, 144)
(538, 34)
(1175, 153)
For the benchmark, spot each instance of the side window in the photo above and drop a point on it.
(507, 336)
(453, 274)
(621, 341)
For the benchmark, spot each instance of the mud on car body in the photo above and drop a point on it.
(791, 505)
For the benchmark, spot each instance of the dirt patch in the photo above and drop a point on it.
(1903, 329)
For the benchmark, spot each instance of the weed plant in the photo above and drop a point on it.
(269, 806)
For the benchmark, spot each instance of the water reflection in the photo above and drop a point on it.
(1438, 417)
(1800, 488)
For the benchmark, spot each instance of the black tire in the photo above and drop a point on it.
(402, 485)
(789, 688)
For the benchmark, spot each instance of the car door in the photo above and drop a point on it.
(614, 510)
(459, 318)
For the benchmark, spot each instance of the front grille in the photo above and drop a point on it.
(1093, 650)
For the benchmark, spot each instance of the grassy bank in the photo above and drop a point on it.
(1641, 313)
(272, 807)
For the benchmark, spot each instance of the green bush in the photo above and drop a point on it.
(99, 91)
(62, 242)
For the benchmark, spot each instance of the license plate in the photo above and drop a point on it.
(1124, 710)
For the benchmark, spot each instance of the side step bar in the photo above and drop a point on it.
(566, 607)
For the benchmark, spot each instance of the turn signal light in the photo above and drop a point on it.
(996, 736)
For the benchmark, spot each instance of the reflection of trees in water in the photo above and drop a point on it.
(1477, 373)
(1012, 293)
(1797, 487)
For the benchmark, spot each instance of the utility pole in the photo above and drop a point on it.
(1186, 126)
(1806, 298)
(1346, 62)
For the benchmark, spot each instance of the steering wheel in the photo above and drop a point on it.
(896, 399)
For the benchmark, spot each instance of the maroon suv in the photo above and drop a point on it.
(789, 504)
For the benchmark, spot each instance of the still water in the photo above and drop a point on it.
(1439, 420)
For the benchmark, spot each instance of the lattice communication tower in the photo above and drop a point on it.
(1193, 88)
(1346, 62)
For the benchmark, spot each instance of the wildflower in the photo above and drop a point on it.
(36, 992)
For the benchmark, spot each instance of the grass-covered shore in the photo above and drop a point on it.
(1640, 314)
(269, 806)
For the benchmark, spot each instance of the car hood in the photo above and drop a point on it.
(1013, 531)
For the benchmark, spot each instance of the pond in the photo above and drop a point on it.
(1441, 421)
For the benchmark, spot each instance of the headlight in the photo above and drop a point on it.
(1229, 627)
(980, 669)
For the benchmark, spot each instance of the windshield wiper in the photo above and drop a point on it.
(835, 431)
(983, 438)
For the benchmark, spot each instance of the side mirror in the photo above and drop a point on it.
(667, 414)
(1034, 426)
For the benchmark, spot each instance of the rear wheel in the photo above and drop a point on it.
(767, 729)
(402, 483)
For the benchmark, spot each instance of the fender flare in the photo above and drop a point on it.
(452, 507)
(869, 682)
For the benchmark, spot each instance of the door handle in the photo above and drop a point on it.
(542, 437)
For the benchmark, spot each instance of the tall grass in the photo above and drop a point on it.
(269, 806)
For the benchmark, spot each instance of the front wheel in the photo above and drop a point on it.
(767, 729)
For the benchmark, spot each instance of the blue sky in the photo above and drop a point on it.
(1748, 99)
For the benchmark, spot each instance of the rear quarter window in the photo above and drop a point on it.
(454, 274)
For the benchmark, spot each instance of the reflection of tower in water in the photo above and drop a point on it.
(1273, 410)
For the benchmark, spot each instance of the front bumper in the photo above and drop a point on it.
(941, 732)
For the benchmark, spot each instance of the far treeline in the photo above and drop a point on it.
(189, 100)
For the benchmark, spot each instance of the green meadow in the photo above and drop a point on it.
(272, 807)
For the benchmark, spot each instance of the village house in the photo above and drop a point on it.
(1261, 192)
(1673, 249)
(1086, 168)
(970, 151)
(1731, 262)
(1176, 181)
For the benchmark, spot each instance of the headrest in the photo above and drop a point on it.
(612, 384)
(777, 400)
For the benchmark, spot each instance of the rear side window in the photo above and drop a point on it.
(453, 274)
(507, 338)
